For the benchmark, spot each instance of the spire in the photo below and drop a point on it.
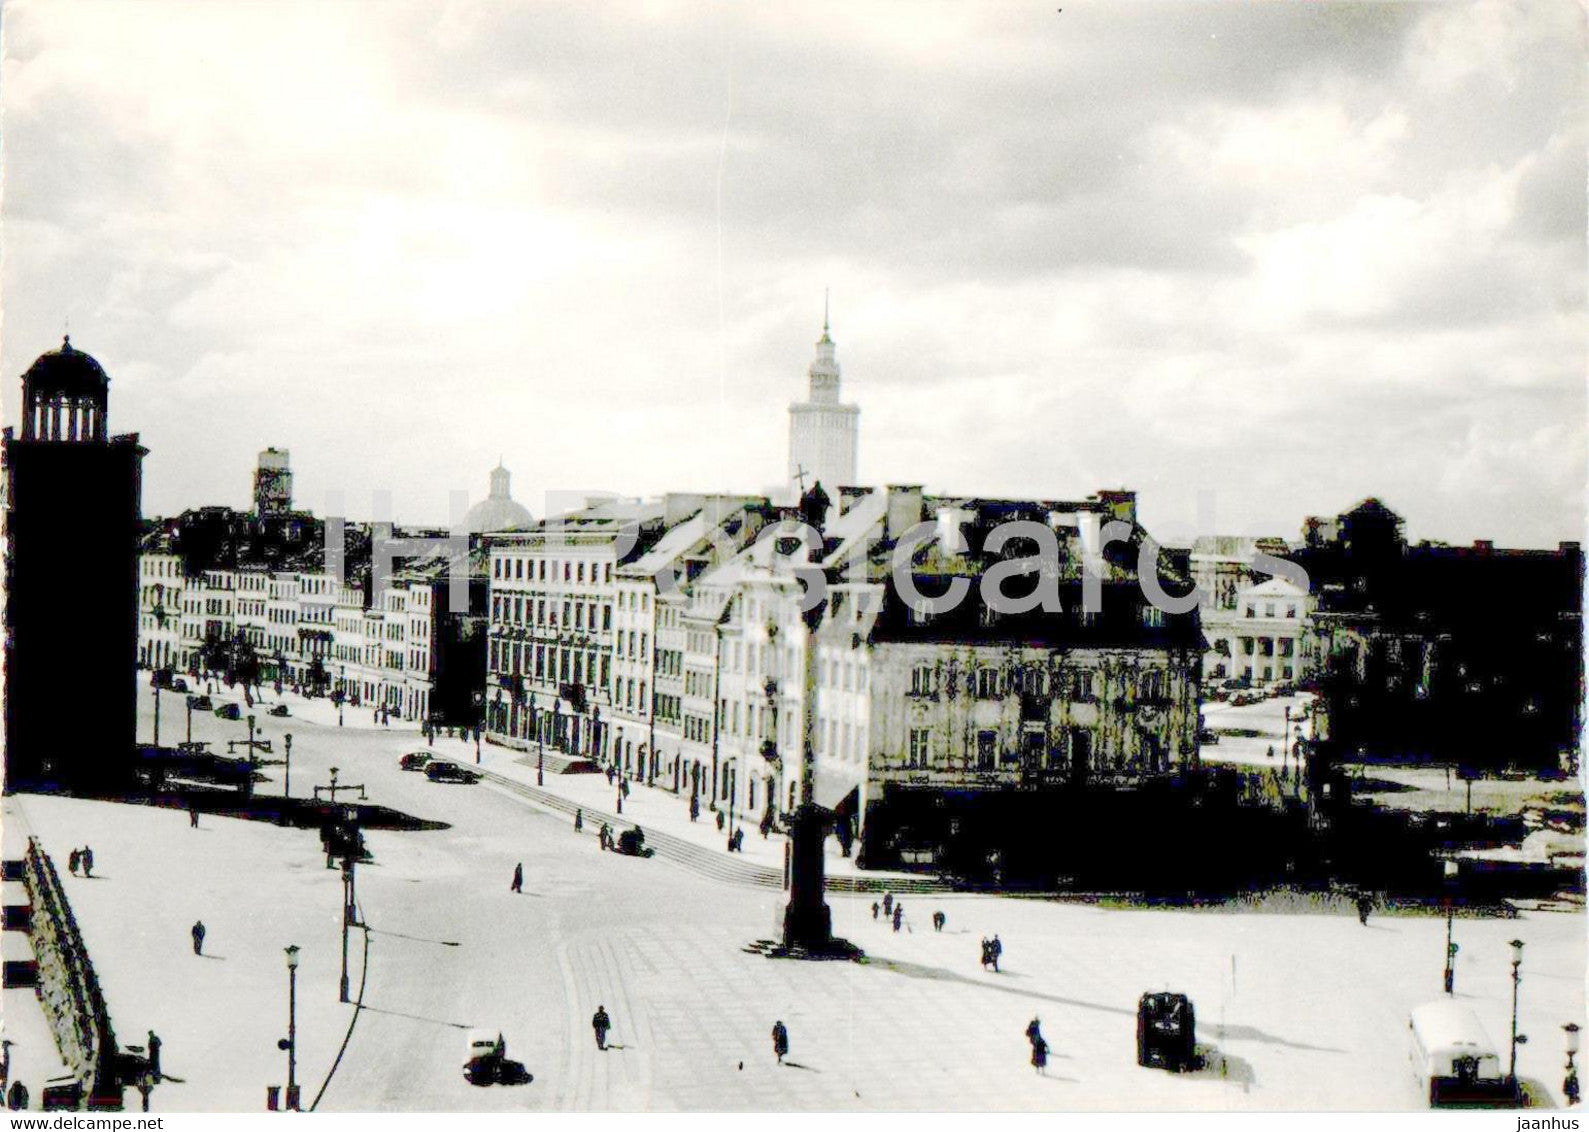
(825, 337)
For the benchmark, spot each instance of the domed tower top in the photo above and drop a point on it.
(498, 511)
(64, 397)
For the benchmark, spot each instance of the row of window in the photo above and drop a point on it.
(540, 612)
(550, 663)
(520, 569)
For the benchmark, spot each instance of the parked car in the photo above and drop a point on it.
(201, 702)
(179, 685)
(229, 711)
(280, 710)
(1166, 1031)
(450, 772)
(1208, 737)
(414, 760)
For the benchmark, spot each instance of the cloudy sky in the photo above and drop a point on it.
(1256, 261)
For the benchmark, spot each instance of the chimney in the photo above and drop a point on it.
(849, 496)
(1122, 504)
(904, 510)
(678, 506)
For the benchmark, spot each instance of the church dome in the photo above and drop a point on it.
(67, 372)
(497, 511)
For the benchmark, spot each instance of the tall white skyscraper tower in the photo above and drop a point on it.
(824, 432)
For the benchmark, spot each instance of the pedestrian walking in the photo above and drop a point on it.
(987, 953)
(1039, 1047)
(695, 807)
(73, 860)
(1271, 752)
(766, 825)
(899, 915)
(995, 949)
(5, 1064)
(939, 920)
(623, 787)
(609, 775)
(601, 1024)
(518, 877)
(88, 861)
(605, 837)
(193, 816)
(780, 1040)
(1364, 907)
(198, 937)
(579, 820)
(154, 1055)
(876, 908)
(719, 821)
(17, 1098)
(888, 903)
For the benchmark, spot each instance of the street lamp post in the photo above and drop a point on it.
(290, 1043)
(1517, 979)
(1451, 869)
(350, 817)
(190, 719)
(1569, 1084)
(154, 682)
(733, 783)
(540, 745)
(286, 782)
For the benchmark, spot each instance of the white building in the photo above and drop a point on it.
(823, 431)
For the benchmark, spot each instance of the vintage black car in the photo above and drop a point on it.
(201, 702)
(229, 711)
(450, 772)
(1166, 1031)
(280, 710)
(414, 760)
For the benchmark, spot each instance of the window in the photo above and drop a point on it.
(1286, 645)
(987, 748)
(1152, 616)
(921, 680)
(920, 748)
(987, 683)
(1081, 687)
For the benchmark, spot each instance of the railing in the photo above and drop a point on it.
(68, 987)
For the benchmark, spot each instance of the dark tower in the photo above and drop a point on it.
(73, 509)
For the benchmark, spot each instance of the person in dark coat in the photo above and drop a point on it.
(938, 921)
(17, 1098)
(605, 836)
(154, 1055)
(73, 860)
(695, 807)
(518, 877)
(198, 937)
(876, 909)
(1034, 1034)
(193, 816)
(1364, 907)
(579, 820)
(780, 1041)
(888, 904)
(88, 861)
(899, 915)
(995, 949)
(601, 1024)
(766, 825)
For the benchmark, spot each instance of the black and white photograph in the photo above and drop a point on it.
(682, 556)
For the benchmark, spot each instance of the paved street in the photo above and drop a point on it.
(1300, 1008)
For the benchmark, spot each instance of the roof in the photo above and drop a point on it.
(67, 371)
